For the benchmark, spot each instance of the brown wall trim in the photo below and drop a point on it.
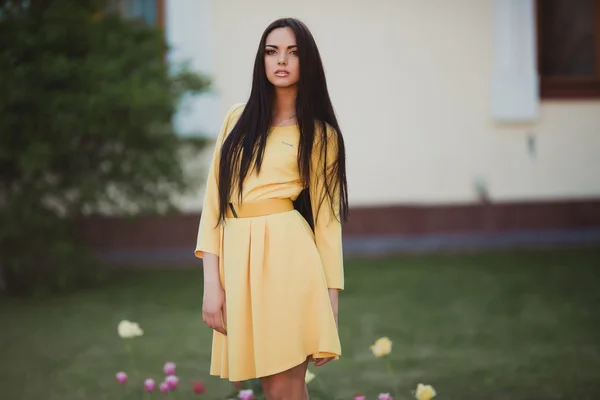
(178, 231)
(473, 218)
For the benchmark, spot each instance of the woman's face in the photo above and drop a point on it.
(281, 58)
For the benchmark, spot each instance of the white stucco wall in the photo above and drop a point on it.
(410, 80)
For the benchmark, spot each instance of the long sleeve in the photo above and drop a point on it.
(209, 237)
(328, 227)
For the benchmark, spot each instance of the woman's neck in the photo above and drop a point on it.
(285, 102)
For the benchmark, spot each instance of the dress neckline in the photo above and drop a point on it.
(273, 128)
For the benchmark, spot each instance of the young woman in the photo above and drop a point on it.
(270, 232)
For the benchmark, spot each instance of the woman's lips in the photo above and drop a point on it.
(282, 74)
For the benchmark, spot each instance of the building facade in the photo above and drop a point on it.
(467, 123)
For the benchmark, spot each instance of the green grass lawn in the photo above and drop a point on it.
(519, 325)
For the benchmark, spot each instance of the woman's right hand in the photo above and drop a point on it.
(214, 310)
(213, 307)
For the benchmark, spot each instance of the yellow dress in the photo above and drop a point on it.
(274, 270)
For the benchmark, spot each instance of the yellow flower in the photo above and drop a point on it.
(425, 392)
(382, 347)
(129, 329)
(309, 376)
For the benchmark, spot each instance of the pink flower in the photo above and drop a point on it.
(198, 387)
(360, 397)
(121, 377)
(247, 394)
(385, 396)
(149, 385)
(169, 368)
(164, 387)
(172, 381)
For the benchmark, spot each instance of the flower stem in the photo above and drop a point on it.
(130, 352)
(389, 367)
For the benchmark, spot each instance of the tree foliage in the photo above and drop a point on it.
(85, 127)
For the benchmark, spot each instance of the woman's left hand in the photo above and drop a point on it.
(322, 361)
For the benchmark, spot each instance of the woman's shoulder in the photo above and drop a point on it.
(325, 143)
(236, 110)
(321, 127)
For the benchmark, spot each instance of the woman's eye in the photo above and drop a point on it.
(270, 52)
(294, 52)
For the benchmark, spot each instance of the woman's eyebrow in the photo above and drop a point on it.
(276, 47)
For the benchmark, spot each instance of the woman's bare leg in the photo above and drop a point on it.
(287, 385)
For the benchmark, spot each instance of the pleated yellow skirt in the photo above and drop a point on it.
(278, 307)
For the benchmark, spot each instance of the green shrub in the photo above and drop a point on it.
(86, 106)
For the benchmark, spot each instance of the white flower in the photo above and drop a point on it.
(129, 329)
(309, 376)
(425, 392)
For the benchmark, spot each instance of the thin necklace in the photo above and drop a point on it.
(285, 120)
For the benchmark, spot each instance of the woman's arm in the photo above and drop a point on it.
(213, 301)
(328, 227)
(208, 243)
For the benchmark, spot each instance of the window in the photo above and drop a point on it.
(568, 35)
(149, 11)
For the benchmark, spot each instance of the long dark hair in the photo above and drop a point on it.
(244, 147)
